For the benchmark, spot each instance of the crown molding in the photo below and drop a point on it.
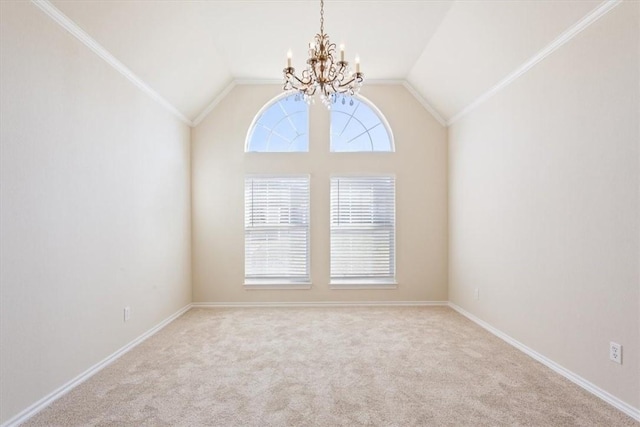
(65, 22)
(54, 13)
(436, 115)
(385, 82)
(209, 108)
(563, 38)
(240, 82)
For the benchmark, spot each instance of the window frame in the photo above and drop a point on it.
(280, 282)
(362, 282)
(382, 119)
(265, 107)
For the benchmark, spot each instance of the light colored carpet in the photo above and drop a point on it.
(392, 366)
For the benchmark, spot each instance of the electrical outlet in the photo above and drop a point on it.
(615, 352)
(127, 313)
(476, 294)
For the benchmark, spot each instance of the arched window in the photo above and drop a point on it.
(281, 126)
(357, 125)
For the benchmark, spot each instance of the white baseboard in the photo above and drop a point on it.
(320, 304)
(61, 391)
(590, 387)
(56, 394)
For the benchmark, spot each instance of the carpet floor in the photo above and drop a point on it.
(345, 366)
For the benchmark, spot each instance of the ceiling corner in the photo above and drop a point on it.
(425, 103)
(212, 105)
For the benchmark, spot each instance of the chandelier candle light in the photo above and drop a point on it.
(323, 72)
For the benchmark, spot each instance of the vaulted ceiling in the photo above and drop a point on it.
(450, 52)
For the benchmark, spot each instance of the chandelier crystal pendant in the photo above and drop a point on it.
(323, 73)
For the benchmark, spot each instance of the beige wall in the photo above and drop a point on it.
(219, 164)
(95, 206)
(544, 206)
(94, 209)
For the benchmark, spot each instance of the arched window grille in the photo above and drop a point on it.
(357, 126)
(281, 126)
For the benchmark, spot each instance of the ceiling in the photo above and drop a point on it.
(450, 52)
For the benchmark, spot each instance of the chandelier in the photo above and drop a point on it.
(323, 73)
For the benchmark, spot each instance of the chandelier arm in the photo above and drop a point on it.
(301, 81)
(356, 78)
(289, 73)
(323, 72)
(313, 74)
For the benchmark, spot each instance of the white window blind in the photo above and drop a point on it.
(363, 230)
(276, 224)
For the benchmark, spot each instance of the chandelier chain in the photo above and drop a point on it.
(321, 16)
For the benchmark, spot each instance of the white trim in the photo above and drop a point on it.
(384, 122)
(385, 82)
(66, 23)
(276, 286)
(33, 409)
(367, 286)
(576, 379)
(67, 387)
(259, 114)
(424, 103)
(259, 82)
(389, 283)
(320, 304)
(563, 38)
(213, 104)
(277, 175)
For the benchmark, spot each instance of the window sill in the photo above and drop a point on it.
(275, 285)
(363, 284)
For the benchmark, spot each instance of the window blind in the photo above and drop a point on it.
(363, 229)
(276, 224)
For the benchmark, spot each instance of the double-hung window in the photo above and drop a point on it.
(362, 208)
(276, 225)
(363, 231)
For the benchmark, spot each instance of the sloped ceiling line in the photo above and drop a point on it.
(47, 7)
(66, 23)
(563, 38)
(427, 106)
(209, 108)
